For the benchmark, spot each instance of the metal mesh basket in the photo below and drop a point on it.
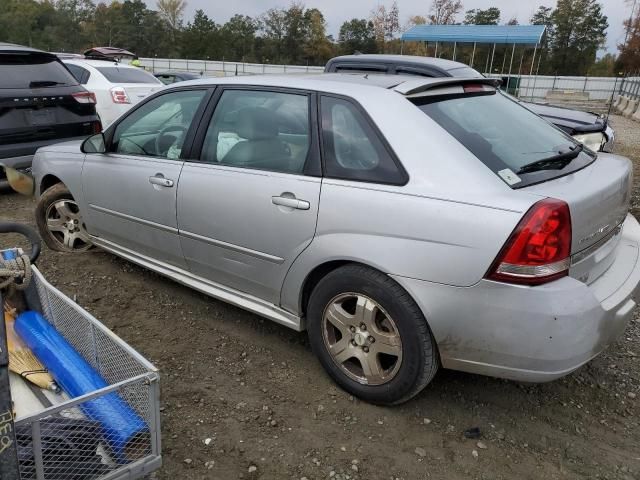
(63, 442)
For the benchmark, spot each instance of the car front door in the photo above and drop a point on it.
(130, 191)
(249, 206)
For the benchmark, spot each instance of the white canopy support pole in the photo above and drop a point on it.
(401, 47)
(504, 61)
(455, 44)
(520, 70)
(486, 65)
(533, 62)
(535, 79)
(513, 52)
(426, 49)
(473, 55)
(492, 57)
(436, 54)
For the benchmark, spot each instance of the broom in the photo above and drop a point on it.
(22, 360)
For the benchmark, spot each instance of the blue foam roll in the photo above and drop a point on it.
(122, 429)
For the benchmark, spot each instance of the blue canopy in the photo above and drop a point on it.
(504, 34)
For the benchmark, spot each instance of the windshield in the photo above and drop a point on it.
(33, 71)
(127, 75)
(505, 136)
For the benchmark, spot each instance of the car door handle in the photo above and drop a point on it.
(291, 203)
(163, 182)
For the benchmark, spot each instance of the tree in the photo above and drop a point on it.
(357, 35)
(513, 21)
(379, 20)
(490, 16)
(199, 39)
(171, 11)
(578, 34)
(629, 59)
(239, 35)
(317, 47)
(444, 12)
(392, 21)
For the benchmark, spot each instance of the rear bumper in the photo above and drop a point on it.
(20, 155)
(533, 334)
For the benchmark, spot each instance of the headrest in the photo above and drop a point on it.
(256, 123)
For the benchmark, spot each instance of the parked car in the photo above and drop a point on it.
(591, 129)
(40, 104)
(173, 77)
(406, 223)
(116, 86)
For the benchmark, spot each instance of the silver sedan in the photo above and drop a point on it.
(405, 223)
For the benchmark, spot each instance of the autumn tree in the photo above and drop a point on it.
(444, 12)
(629, 59)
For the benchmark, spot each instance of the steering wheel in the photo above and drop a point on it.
(164, 131)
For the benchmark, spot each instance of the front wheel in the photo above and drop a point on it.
(370, 336)
(59, 221)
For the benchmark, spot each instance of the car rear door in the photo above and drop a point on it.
(248, 206)
(130, 191)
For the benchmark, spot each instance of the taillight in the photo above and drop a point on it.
(539, 249)
(84, 97)
(119, 95)
(96, 127)
(475, 88)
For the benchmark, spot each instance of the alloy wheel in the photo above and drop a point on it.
(362, 339)
(66, 226)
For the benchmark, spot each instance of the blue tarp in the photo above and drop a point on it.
(503, 34)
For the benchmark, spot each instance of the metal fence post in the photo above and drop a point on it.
(586, 79)
(555, 77)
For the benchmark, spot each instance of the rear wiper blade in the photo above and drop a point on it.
(556, 162)
(44, 83)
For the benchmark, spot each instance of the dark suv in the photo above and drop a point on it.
(589, 128)
(40, 103)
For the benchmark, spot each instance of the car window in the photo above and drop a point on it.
(361, 69)
(352, 148)
(465, 72)
(33, 71)
(411, 71)
(259, 129)
(503, 134)
(166, 79)
(118, 74)
(158, 127)
(81, 74)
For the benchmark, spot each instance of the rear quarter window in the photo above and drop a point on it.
(353, 149)
(30, 70)
(127, 75)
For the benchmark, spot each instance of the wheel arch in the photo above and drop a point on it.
(48, 181)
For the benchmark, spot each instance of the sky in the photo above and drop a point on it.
(338, 11)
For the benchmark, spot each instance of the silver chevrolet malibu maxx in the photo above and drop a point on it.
(405, 223)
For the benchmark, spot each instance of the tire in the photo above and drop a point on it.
(59, 221)
(397, 359)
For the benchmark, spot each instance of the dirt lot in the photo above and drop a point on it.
(256, 390)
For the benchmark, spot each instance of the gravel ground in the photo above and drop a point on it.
(255, 390)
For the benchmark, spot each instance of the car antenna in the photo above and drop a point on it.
(615, 84)
(366, 76)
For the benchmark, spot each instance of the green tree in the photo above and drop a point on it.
(357, 35)
(317, 48)
(579, 28)
(200, 38)
(239, 35)
(477, 16)
(629, 59)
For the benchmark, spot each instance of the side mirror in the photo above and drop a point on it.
(94, 144)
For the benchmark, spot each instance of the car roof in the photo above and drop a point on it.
(96, 63)
(13, 47)
(400, 60)
(353, 85)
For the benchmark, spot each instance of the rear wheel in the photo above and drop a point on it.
(370, 336)
(59, 221)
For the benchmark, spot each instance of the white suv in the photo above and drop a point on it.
(117, 86)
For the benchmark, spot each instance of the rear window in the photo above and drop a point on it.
(504, 135)
(33, 71)
(127, 75)
(465, 72)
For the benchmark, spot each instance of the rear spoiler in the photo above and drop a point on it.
(418, 86)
